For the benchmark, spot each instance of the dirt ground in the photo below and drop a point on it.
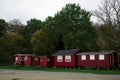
(41, 75)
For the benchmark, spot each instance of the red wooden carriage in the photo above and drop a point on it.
(70, 58)
(46, 61)
(98, 59)
(66, 58)
(26, 59)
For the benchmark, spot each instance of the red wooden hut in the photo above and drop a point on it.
(46, 61)
(66, 58)
(35, 61)
(98, 59)
(26, 59)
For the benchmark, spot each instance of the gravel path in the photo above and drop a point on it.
(41, 75)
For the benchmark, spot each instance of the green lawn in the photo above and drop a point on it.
(61, 70)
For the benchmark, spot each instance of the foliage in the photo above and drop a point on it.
(76, 28)
(108, 37)
(71, 28)
(52, 29)
(41, 43)
(2, 27)
(32, 26)
(108, 33)
(10, 44)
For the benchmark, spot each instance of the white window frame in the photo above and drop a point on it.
(83, 57)
(16, 58)
(59, 58)
(36, 59)
(67, 58)
(41, 60)
(101, 57)
(92, 57)
(25, 58)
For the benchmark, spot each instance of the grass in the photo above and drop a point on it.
(61, 70)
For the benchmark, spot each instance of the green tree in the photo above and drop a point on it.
(76, 28)
(71, 28)
(10, 44)
(108, 38)
(52, 29)
(2, 27)
(41, 43)
(108, 33)
(32, 26)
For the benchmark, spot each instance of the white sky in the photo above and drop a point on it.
(39, 9)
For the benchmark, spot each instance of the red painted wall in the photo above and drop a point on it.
(96, 62)
(63, 63)
(43, 61)
(35, 60)
(46, 61)
(28, 61)
(103, 63)
(23, 62)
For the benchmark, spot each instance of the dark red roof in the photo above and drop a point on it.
(67, 52)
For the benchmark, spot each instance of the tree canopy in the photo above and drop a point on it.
(71, 28)
(109, 31)
(41, 43)
(2, 27)
(32, 26)
(108, 38)
(10, 44)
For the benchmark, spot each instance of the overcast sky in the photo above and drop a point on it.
(39, 9)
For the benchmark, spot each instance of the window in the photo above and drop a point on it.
(67, 58)
(83, 57)
(36, 59)
(92, 57)
(59, 59)
(16, 58)
(41, 60)
(101, 57)
(26, 58)
(48, 59)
